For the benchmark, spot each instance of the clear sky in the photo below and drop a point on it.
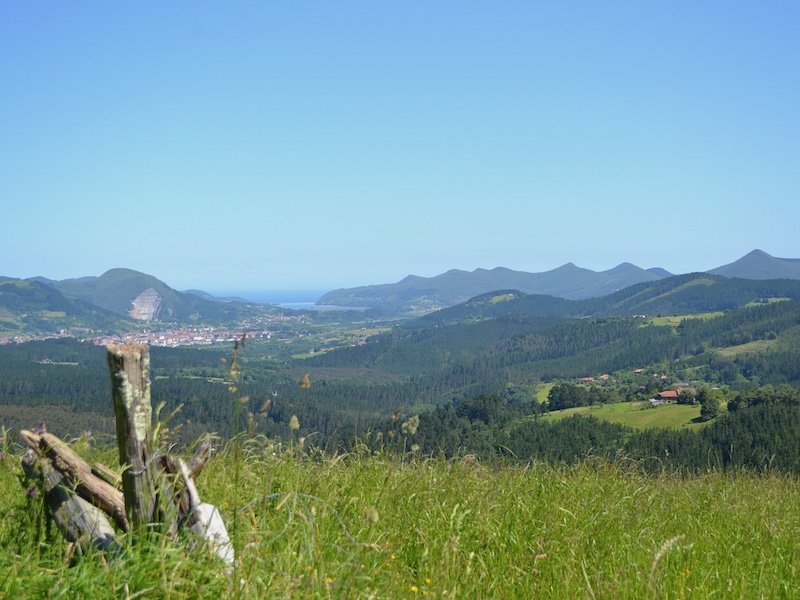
(314, 145)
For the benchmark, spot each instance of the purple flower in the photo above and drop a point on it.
(32, 491)
(40, 428)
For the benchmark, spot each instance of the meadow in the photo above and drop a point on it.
(366, 525)
(638, 415)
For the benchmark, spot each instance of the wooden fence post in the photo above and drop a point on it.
(129, 365)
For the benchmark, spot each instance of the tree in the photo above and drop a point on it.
(709, 407)
(567, 395)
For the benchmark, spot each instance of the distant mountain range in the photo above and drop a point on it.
(760, 265)
(424, 294)
(117, 299)
(680, 294)
(111, 302)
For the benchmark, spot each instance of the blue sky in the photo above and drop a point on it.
(315, 145)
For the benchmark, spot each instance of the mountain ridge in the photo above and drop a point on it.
(121, 291)
(415, 294)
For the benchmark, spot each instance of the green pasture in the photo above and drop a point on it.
(638, 415)
(748, 348)
(675, 320)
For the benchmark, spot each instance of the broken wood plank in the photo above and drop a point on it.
(206, 522)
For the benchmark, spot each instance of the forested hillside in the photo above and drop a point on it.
(410, 369)
(31, 306)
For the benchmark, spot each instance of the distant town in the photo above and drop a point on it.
(202, 335)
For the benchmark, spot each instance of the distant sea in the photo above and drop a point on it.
(297, 299)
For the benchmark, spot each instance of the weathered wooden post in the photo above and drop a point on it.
(129, 365)
(156, 489)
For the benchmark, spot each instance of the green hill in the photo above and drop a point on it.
(421, 294)
(760, 265)
(484, 354)
(681, 294)
(116, 289)
(32, 307)
(425, 294)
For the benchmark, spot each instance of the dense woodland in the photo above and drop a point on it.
(471, 382)
(758, 432)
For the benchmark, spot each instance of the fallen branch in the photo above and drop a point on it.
(79, 475)
(79, 521)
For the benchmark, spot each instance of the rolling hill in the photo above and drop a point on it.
(416, 295)
(507, 336)
(114, 301)
(116, 289)
(28, 306)
(423, 294)
(681, 294)
(760, 265)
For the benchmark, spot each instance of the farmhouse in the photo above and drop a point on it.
(665, 397)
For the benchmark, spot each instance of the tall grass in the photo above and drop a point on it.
(375, 526)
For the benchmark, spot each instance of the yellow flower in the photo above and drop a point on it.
(414, 589)
(428, 581)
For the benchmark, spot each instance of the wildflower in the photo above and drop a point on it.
(32, 491)
(410, 426)
(305, 382)
(294, 423)
(414, 589)
(428, 581)
(40, 428)
(371, 514)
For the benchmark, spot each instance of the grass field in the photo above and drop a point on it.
(372, 526)
(674, 321)
(749, 348)
(636, 414)
(542, 392)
